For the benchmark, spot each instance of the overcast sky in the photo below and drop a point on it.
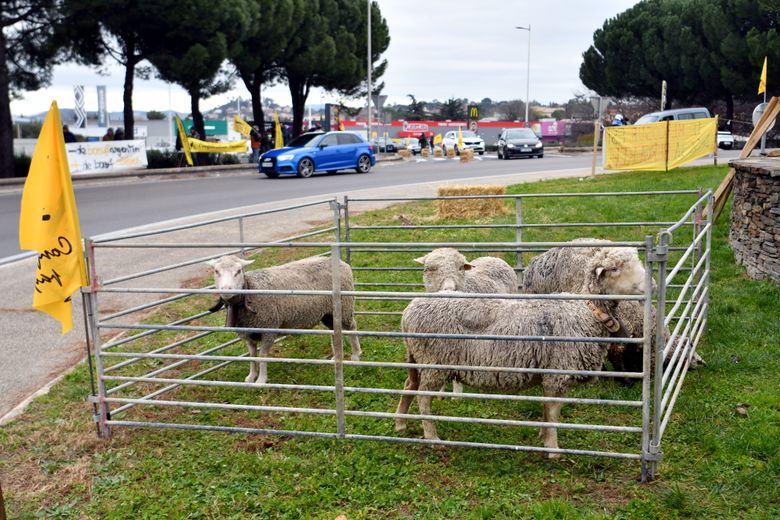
(438, 50)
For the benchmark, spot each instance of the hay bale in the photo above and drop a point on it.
(437, 152)
(470, 208)
(450, 152)
(405, 153)
(466, 155)
(425, 152)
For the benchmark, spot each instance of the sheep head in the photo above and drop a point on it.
(228, 274)
(445, 270)
(615, 270)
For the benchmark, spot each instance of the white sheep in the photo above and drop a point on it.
(281, 311)
(446, 269)
(613, 272)
(559, 270)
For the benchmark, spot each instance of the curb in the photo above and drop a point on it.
(198, 171)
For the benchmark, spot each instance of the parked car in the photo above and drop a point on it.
(317, 151)
(519, 142)
(470, 140)
(725, 140)
(410, 143)
(676, 114)
(384, 144)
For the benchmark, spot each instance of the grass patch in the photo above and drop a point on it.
(718, 463)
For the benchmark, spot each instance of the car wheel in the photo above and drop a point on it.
(540, 155)
(498, 153)
(481, 153)
(305, 167)
(457, 152)
(363, 164)
(271, 175)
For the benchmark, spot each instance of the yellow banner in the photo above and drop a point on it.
(196, 145)
(658, 146)
(279, 138)
(49, 224)
(460, 139)
(241, 126)
(185, 144)
(437, 139)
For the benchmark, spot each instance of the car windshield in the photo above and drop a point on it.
(303, 140)
(521, 133)
(649, 118)
(469, 133)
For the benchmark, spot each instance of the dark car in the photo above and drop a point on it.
(519, 142)
(384, 144)
(317, 151)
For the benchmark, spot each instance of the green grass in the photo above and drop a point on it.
(717, 463)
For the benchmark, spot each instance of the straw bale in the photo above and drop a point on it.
(405, 153)
(467, 155)
(450, 152)
(437, 152)
(425, 152)
(470, 208)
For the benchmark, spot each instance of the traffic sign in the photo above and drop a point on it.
(758, 112)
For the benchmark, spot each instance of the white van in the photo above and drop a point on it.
(676, 114)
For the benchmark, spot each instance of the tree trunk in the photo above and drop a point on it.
(6, 125)
(127, 95)
(197, 117)
(299, 91)
(257, 102)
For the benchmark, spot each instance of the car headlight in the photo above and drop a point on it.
(538, 145)
(510, 145)
(285, 157)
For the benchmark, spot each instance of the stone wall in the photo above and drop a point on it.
(755, 217)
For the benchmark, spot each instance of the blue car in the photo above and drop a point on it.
(317, 151)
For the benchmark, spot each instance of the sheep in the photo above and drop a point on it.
(281, 312)
(447, 270)
(559, 270)
(609, 272)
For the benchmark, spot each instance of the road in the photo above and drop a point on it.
(108, 206)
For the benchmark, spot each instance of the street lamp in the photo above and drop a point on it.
(528, 72)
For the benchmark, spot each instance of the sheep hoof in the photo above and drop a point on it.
(553, 456)
(400, 426)
(356, 356)
(250, 378)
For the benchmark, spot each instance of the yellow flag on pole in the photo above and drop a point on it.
(437, 140)
(460, 139)
(762, 83)
(49, 224)
(279, 139)
(185, 143)
(241, 126)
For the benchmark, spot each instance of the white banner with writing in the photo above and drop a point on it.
(101, 156)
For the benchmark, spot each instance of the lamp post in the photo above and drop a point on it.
(528, 71)
(368, 92)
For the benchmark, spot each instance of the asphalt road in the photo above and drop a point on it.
(113, 205)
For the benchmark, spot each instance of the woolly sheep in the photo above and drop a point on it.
(559, 270)
(277, 311)
(446, 269)
(607, 273)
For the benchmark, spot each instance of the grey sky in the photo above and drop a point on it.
(442, 49)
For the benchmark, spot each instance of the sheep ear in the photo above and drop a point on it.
(245, 262)
(421, 260)
(467, 266)
(599, 271)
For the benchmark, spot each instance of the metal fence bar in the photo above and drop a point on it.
(165, 348)
(397, 245)
(647, 353)
(151, 330)
(382, 415)
(531, 195)
(102, 239)
(659, 255)
(338, 341)
(683, 318)
(685, 255)
(143, 307)
(684, 290)
(684, 219)
(520, 225)
(682, 347)
(316, 332)
(91, 296)
(372, 364)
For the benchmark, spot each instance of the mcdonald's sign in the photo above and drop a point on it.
(473, 112)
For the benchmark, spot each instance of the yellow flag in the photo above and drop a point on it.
(460, 139)
(241, 126)
(762, 83)
(185, 143)
(341, 125)
(196, 145)
(279, 140)
(49, 224)
(437, 139)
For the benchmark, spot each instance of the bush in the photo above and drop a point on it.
(21, 165)
(229, 158)
(161, 159)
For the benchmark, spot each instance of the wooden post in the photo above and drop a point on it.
(595, 147)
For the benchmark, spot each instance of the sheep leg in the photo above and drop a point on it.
(412, 383)
(265, 349)
(354, 341)
(552, 413)
(429, 382)
(251, 346)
